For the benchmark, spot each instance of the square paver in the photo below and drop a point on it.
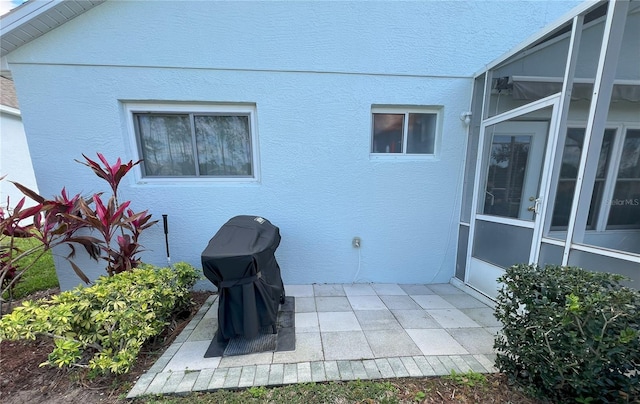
(436, 342)
(331, 370)
(261, 377)
(473, 363)
(449, 364)
(157, 385)
(247, 376)
(141, 385)
(366, 303)
(400, 302)
(332, 303)
(305, 304)
(446, 289)
(186, 385)
(411, 366)
(205, 330)
(416, 289)
(307, 322)
(308, 348)
(317, 371)
(345, 345)
(371, 367)
(452, 318)
(359, 372)
(260, 358)
(483, 316)
(432, 302)
(436, 365)
(377, 320)
(190, 356)
(461, 363)
(415, 319)
(464, 301)
(290, 373)
(424, 366)
(276, 374)
(386, 343)
(388, 289)
(304, 372)
(233, 378)
(344, 367)
(338, 321)
(359, 289)
(328, 289)
(474, 340)
(488, 361)
(166, 357)
(385, 368)
(494, 330)
(212, 311)
(299, 290)
(217, 380)
(398, 367)
(203, 380)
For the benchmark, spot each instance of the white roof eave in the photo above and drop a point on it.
(17, 27)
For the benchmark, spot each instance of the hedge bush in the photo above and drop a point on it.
(104, 326)
(569, 334)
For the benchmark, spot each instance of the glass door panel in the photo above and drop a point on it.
(515, 154)
(512, 181)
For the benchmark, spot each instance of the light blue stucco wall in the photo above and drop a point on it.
(313, 70)
(15, 161)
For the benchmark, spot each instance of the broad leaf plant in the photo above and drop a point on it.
(111, 230)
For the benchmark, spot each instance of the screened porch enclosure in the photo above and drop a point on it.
(552, 170)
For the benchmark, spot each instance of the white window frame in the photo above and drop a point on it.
(610, 180)
(406, 110)
(131, 108)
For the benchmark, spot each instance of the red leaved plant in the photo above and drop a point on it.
(114, 229)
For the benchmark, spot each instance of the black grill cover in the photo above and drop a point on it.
(240, 262)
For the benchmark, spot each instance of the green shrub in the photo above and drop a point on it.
(40, 273)
(569, 334)
(104, 326)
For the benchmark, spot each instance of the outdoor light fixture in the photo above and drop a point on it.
(466, 117)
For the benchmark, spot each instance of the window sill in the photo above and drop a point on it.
(173, 182)
(402, 157)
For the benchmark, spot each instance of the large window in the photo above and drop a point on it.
(404, 131)
(615, 202)
(194, 141)
(625, 204)
(568, 173)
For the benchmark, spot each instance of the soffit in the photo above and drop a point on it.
(37, 17)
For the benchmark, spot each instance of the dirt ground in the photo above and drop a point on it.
(23, 381)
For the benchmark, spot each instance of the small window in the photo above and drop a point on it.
(398, 131)
(215, 143)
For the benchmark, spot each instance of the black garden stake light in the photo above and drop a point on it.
(166, 237)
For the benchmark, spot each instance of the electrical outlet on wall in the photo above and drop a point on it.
(355, 242)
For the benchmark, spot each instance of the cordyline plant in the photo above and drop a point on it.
(114, 228)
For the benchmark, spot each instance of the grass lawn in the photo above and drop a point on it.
(304, 393)
(41, 276)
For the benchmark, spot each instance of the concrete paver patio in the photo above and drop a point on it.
(343, 332)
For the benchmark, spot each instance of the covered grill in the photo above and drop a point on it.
(240, 262)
